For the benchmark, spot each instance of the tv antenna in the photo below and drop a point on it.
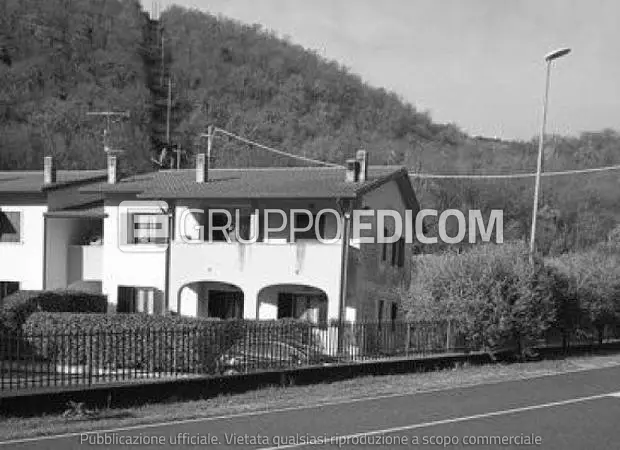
(110, 117)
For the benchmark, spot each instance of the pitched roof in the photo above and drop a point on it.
(94, 210)
(289, 182)
(32, 181)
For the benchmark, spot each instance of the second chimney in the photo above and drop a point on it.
(112, 169)
(202, 168)
(362, 159)
(352, 171)
(49, 170)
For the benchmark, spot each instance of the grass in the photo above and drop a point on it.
(80, 419)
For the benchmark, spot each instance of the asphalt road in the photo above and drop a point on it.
(573, 411)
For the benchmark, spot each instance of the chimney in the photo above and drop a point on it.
(202, 168)
(362, 159)
(49, 170)
(353, 171)
(112, 169)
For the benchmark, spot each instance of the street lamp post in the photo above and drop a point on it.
(548, 58)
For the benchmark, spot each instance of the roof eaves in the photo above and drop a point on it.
(365, 188)
(64, 184)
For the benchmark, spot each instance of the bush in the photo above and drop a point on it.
(152, 343)
(593, 280)
(491, 295)
(17, 307)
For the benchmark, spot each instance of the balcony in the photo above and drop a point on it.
(85, 263)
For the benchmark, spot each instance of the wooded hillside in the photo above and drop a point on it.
(60, 59)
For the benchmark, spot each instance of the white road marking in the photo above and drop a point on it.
(343, 438)
(286, 409)
(615, 394)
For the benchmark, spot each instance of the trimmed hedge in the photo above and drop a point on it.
(17, 307)
(151, 343)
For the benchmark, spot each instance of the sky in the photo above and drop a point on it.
(476, 63)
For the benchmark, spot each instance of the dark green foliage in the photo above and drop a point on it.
(131, 341)
(60, 59)
(153, 343)
(593, 281)
(68, 58)
(17, 307)
(491, 295)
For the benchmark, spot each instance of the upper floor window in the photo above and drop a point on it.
(384, 246)
(148, 228)
(302, 220)
(10, 226)
(398, 253)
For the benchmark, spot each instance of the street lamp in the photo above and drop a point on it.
(548, 59)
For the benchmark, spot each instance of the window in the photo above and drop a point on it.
(139, 300)
(394, 315)
(311, 307)
(302, 220)
(148, 229)
(10, 226)
(225, 304)
(7, 288)
(398, 253)
(218, 220)
(385, 246)
(380, 311)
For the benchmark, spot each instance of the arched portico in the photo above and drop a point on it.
(211, 299)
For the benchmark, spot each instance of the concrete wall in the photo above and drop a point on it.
(23, 261)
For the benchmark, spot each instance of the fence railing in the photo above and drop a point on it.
(64, 359)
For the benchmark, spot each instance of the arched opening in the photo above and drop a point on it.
(293, 301)
(211, 299)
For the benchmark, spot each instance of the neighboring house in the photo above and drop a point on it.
(38, 225)
(80, 228)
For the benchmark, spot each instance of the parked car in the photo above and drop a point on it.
(253, 356)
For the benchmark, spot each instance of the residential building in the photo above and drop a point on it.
(115, 230)
(42, 215)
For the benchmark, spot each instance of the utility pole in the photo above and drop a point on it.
(168, 111)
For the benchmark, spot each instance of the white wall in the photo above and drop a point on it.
(23, 261)
(131, 265)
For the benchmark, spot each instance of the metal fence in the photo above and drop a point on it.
(64, 359)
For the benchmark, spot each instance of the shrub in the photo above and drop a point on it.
(491, 295)
(593, 280)
(17, 307)
(152, 343)
(130, 341)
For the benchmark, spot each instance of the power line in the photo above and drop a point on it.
(279, 152)
(414, 174)
(515, 175)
